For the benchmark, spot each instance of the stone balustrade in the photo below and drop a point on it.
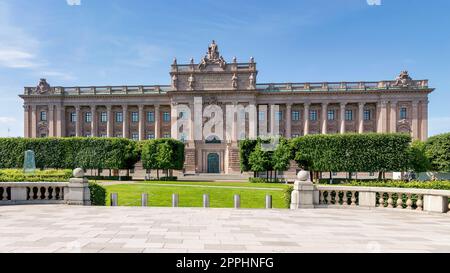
(103, 90)
(74, 192)
(381, 197)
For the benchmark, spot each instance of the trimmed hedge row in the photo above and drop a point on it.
(70, 153)
(353, 152)
(17, 175)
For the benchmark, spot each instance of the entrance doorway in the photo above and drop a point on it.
(213, 163)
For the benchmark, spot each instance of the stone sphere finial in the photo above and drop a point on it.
(303, 175)
(78, 173)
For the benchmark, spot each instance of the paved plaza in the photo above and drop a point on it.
(60, 228)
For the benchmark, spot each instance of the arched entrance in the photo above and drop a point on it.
(213, 163)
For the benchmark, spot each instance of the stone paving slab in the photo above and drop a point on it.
(60, 228)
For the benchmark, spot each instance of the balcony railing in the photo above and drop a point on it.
(104, 90)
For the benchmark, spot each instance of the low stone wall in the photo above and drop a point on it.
(74, 192)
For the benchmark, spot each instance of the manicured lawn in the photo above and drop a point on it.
(190, 194)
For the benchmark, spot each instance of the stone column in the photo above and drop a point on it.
(157, 122)
(141, 122)
(191, 122)
(263, 123)
(324, 117)
(342, 117)
(306, 118)
(174, 121)
(94, 123)
(125, 121)
(361, 117)
(51, 120)
(233, 117)
(393, 117)
(60, 121)
(381, 128)
(424, 120)
(110, 121)
(253, 121)
(78, 121)
(273, 121)
(33, 121)
(415, 120)
(26, 112)
(288, 132)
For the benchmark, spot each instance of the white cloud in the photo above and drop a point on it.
(438, 125)
(13, 58)
(73, 2)
(7, 120)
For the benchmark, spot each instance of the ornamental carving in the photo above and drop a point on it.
(403, 80)
(43, 87)
(212, 57)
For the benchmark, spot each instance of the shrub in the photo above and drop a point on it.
(287, 195)
(437, 149)
(265, 180)
(353, 152)
(169, 178)
(17, 175)
(98, 194)
(162, 154)
(70, 153)
(437, 185)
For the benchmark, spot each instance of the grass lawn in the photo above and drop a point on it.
(190, 194)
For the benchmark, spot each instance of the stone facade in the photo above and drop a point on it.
(201, 95)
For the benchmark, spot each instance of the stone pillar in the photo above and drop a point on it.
(393, 117)
(157, 122)
(303, 194)
(306, 119)
(382, 128)
(253, 121)
(125, 121)
(274, 123)
(174, 121)
(424, 120)
(60, 121)
(415, 120)
(109, 122)
(263, 123)
(342, 117)
(51, 120)
(78, 121)
(234, 116)
(191, 122)
(361, 117)
(288, 131)
(324, 117)
(33, 121)
(26, 121)
(94, 123)
(78, 191)
(367, 199)
(141, 122)
(435, 203)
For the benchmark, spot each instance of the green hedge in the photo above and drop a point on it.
(163, 154)
(437, 149)
(70, 153)
(353, 152)
(436, 185)
(17, 175)
(98, 194)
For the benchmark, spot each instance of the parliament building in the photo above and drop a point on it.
(212, 104)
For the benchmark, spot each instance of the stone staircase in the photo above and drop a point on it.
(215, 177)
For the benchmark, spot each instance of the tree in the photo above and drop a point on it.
(418, 160)
(259, 160)
(281, 158)
(437, 149)
(164, 157)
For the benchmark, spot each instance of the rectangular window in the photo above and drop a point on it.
(295, 135)
(151, 116)
(348, 114)
(182, 116)
(313, 115)
(43, 116)
(135, 136)
(103, 117)
(295, 115)
(367, 115)
(403, 113)
(261, 116)
(279, 115)
(150, 136)
(43, 135)
(119, 117)
(103, 135)
(166, 135)
(134, 117)
(88, 117)
(118, 135)
(331, 114)
(87, 134)
(73, 117)
(166, 116)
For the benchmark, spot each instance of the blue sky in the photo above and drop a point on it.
(117, 42)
